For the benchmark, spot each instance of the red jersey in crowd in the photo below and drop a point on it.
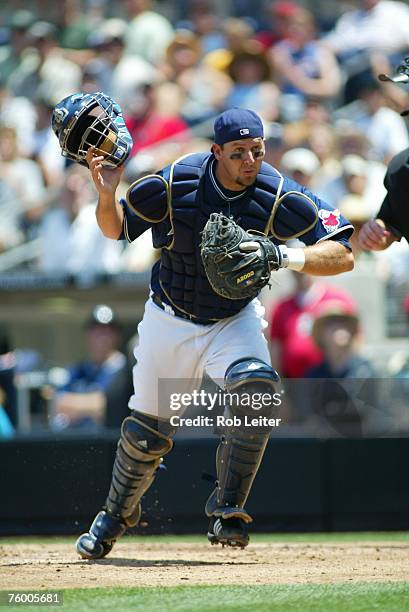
(291, 322)
(152, 129)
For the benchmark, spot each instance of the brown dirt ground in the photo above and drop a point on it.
(132, 563)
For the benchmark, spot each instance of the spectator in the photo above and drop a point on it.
(293, 351)
(301, 165)
(11, 234)
(148, 33)
(45, 67)
(385, 129)
(344, 407)
(45, 150)
(350, 139)
(183, 53)
(238, 35)
(252, 86)
(69, 235)
(19, 113)
(358, 177)
(81, 402)
(24, 179)
(145, 124)
(204, 89)
(75, 25)
(280, 13)
(336, 332)
(113, 72)
(297, 133)
(204, 22)
(11, 55)
(323, 141)
(249, 9)
(304, 68)
(375, 25)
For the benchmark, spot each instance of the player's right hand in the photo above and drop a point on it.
(106, 179)
(374, 236)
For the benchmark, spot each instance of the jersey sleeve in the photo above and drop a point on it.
(132, 226)
(330, 223)
(146, 204)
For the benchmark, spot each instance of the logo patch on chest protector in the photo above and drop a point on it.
(330, 219)
(245, 277)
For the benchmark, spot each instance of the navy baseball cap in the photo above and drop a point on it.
(236, 124)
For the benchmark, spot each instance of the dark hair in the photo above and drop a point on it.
(5, 346)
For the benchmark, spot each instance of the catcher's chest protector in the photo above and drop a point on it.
(194, 197)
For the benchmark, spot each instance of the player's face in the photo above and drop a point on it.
(238, 162)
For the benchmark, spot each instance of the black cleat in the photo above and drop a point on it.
(101, 537)
(230, 532)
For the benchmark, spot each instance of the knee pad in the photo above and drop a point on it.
(141, 441)
(249, 371)
(250, 376)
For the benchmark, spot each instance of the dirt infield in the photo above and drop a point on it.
(132, 563)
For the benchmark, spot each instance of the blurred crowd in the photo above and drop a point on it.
(173, 66)
(316, 344)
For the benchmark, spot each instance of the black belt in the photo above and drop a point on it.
(181, 315)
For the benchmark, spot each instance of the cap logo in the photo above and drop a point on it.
(244, 131)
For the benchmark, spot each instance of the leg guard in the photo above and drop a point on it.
(139, 454)
(241, 448)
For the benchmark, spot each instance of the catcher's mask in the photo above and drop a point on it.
(82, 121)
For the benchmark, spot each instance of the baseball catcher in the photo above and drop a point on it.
(220, 220)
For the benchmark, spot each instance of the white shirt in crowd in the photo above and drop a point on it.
(383, 28)
(77, 248)
(386, 131)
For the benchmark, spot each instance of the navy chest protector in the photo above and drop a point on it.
(178, 203)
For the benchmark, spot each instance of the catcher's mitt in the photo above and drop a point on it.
(238, 264)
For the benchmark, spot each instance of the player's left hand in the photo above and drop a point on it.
(237, 264)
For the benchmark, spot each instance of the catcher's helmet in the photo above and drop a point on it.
(81, 121)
